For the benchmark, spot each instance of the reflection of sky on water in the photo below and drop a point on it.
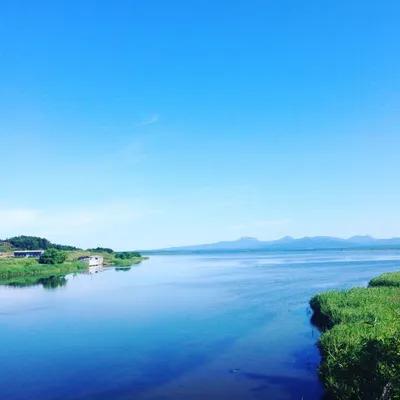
(217, 327)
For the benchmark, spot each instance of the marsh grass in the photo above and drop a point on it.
(391, 279)
(10, 267)
(109, 259)
(128, 262)
(360, 343)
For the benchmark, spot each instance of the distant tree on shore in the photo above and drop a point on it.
(36, 243)
(127, 255)
(102, 250)
(53, 256)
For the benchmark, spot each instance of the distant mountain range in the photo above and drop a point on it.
(289, 243)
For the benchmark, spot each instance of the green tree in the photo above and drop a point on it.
(29, 242)
(36, 243)
(127, 255)
(53, 256)
(102, 249)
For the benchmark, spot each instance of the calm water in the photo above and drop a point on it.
(231, 326)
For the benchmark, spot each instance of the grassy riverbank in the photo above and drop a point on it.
(110, 259)
(360, 343)
(10, 267)
(127, 263)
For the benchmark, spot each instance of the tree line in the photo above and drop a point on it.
(102, 250)
(127, 255)
(36, 243)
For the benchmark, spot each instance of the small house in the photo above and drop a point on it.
(28, 253)
(92, 261)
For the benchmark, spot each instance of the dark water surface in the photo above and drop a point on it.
(227, 326)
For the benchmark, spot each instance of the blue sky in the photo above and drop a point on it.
(145, 124)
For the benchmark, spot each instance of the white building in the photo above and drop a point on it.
(28, 253)
(92, 261)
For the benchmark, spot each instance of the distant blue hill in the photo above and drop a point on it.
(289, 243)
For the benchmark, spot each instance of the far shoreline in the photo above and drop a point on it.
(272, 251)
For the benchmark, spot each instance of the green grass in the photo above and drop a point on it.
(109, 259)
(127, 263)
(360, 343)
(74, 255)
(392, 279)
(18, 267)
(10, 267)
(5, 249)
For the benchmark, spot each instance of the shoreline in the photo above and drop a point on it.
(34, 268)
(360, 339)
(269, 251)
(24, 267)
(126, 263)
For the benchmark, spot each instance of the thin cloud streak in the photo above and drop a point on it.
(75, 223)
(152, 119)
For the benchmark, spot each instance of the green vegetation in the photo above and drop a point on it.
(12, 267)
(128, 262)
(128, 258)
(128, 255)
(57, 259)
(35, 243)
(5, 247)
(392, 279)
(74, 255)
(360, 343)
(110, 259)
(53, 256)
(102, 250)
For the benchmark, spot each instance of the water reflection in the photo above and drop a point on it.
(124, 269)
(95, 269)
(48, 282)
(183, 327)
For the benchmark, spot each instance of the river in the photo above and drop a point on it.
(212, 326)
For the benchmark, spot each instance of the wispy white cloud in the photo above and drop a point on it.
(152, 119)
(133, 151)
(81, 226)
